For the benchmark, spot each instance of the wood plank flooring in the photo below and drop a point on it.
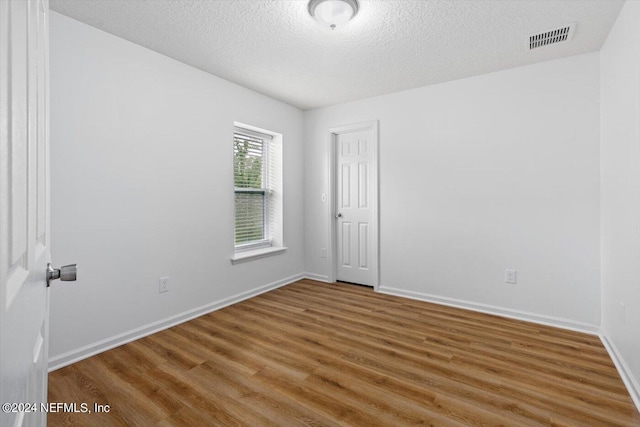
(319, 354)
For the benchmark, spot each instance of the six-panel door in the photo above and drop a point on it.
(354, 177)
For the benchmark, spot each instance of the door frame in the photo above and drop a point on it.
(332, 193)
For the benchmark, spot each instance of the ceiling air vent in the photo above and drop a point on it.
(557, 35)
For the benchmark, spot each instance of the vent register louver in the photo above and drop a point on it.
(557, 35)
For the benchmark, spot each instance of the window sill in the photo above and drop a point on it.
(245, 256)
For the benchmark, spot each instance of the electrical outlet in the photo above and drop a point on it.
(164, 284)
(323, 252)
(511, 276)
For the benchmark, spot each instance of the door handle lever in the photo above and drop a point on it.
(339, 215)
(66, 273)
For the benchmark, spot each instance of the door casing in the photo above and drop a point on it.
(331, 197)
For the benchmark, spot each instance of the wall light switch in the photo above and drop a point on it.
(511, 276)
(323, 198)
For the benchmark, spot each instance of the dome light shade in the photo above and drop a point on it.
(333, 13)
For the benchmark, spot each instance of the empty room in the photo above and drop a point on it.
(319, 212)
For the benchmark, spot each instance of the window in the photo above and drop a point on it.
(257, 187)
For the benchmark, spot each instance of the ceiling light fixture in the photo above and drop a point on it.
(333, 13)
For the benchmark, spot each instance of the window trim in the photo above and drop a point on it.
(240, 257)
(273, 193)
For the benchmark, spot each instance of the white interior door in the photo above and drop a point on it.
(356, 226)
(24, 210)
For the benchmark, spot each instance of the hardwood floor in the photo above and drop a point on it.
(316, 354)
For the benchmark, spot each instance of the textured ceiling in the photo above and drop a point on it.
(276, 48)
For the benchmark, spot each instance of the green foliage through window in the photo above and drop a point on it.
(249, 155)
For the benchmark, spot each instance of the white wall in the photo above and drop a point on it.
(479, 175)
(476, 175)
(142, 187)
(620, 189)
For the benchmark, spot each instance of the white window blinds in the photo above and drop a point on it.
(252, 179)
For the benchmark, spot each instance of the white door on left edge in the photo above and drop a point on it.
(24, 210)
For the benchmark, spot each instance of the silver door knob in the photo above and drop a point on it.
(339, 215)
(66, 273)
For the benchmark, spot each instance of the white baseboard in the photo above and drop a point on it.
(318, 277)
(623, 369)
(134, 334)
(498, 311)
